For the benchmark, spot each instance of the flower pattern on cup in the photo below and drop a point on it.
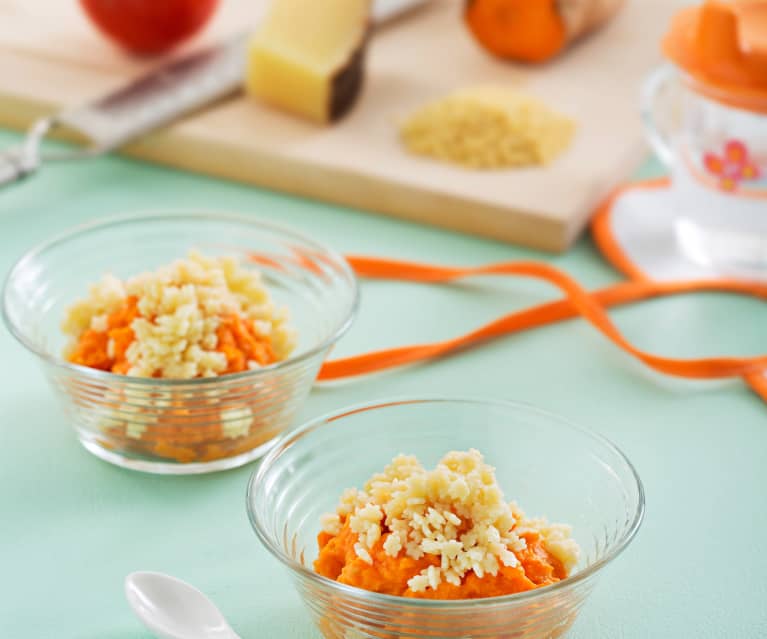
(733, 166)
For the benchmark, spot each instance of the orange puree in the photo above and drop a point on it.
(172, 437)
(337, 560)
(240, 343)
(92, 346)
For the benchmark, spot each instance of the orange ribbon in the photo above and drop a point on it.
(577, 302)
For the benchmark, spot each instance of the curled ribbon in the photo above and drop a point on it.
(577, 302)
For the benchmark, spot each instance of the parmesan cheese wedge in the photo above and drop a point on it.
(307, 56)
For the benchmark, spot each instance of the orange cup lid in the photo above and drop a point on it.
(723, 48)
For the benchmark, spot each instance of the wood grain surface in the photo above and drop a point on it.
(51, 58)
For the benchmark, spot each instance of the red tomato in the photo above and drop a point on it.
(149, 26)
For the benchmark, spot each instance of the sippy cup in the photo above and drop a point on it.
(706, 119)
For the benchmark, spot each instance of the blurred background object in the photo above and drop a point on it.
(706, 118)
(359, 161)
(535, 30)
(149, 26)
(308, 58)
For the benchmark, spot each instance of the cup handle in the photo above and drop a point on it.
(659, 142)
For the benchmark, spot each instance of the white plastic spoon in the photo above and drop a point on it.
(172, 609)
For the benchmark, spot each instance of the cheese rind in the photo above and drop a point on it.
(308, 57)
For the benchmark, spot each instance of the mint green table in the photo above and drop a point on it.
(71, 526)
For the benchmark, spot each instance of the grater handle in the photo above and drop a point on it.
(162, 96)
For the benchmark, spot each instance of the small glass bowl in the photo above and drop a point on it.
(180, 426)
(549, 466)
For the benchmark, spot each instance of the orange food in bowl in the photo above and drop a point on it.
(237, 340)
(241, 344)
(197, 317)
(92, 348)
(389, 575)
(440, 534)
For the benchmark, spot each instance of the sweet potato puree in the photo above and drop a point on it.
(446, 533)
(389, 575)
(195, 317)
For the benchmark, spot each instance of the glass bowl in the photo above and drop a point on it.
(180, 426)
(549, 466)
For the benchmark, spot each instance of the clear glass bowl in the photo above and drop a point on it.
(551, 467)
(180, 426)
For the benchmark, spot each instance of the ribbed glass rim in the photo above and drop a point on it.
(175, 214)
(285, 441)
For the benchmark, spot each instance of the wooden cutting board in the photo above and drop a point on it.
(50, 58)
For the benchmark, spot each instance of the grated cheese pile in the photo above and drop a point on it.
(488, 128)
(456, 512)
(179, 310)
